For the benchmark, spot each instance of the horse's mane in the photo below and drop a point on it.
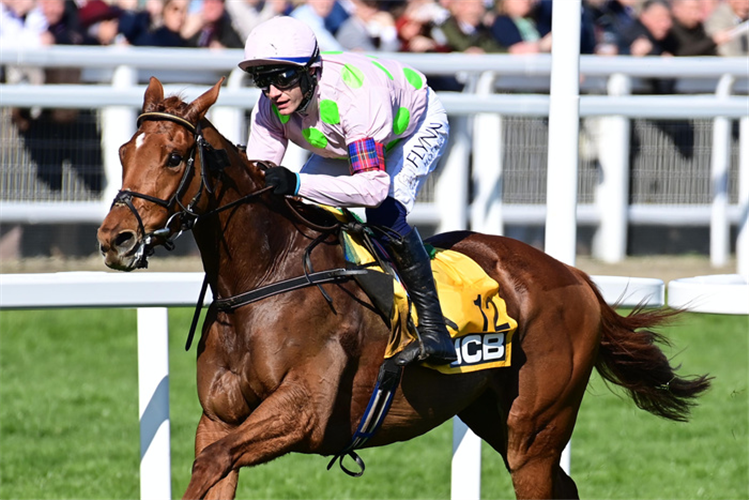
(174, 103)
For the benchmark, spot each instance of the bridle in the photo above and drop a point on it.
(211, 159)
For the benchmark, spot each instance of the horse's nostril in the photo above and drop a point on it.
(125, 239)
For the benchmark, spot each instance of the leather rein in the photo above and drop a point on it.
(215, 160)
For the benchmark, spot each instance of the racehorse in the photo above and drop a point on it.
(293, 372)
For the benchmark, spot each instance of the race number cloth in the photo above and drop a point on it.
(475, 315)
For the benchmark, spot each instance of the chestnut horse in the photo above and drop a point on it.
(294, 372)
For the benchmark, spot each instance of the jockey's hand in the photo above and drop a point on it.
(283, 180)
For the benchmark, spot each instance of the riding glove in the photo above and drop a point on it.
(283, 180)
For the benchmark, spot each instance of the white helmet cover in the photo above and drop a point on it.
(281, 40)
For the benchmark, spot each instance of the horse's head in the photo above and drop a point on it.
(162, 179)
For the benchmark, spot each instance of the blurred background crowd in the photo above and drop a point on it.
(608, 27)
(46, 142)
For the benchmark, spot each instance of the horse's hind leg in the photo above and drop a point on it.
(542, 417)
(550, 387)
(485, 418)
(533, 454)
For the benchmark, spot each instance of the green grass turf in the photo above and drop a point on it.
(69, 423)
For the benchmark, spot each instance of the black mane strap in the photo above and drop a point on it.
(329, 276)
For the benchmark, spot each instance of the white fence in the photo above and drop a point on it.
(152, 293)
(477, 116)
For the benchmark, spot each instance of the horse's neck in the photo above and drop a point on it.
(250, 245)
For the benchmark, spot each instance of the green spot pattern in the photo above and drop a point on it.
(413, 78)
(352, 76)
(383, 69)
(315, 137)
(401, 121)
(283, 118)
(329, 112)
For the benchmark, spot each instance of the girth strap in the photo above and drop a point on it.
(331, 275)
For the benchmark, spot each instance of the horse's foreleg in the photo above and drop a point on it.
(226, 488)
(210, 431)
(275, 427)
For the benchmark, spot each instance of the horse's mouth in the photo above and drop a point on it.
(134, 258)
(128, 250)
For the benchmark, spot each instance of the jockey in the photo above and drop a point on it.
(375, 131)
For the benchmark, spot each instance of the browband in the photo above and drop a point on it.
(166, 116)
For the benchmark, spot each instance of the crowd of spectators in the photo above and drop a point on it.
(608, 27)
(54, 137)
(630, 27)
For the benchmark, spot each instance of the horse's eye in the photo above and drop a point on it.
(174, 160)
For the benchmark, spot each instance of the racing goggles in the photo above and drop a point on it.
(283, 78)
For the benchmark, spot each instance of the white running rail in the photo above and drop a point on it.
(152, 293)
(717, 294)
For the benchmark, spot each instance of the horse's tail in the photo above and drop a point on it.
(629, 357)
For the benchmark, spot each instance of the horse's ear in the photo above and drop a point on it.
(198, 108)
(154, 95)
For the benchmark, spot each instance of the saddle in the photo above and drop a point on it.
(474, 312)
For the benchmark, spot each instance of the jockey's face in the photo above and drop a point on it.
(282, 86)
(287, 101)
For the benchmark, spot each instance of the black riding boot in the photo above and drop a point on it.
(412, 261)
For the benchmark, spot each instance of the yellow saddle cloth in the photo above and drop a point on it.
(475, 314)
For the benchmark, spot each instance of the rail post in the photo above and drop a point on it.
(153, 403)
(742, 240)
(228, 119)
(118, 126)
(451, 187)
(486, 207)
(719, 163)
(564, 116)
(612, 191)
(465, 483)
(560, 239)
